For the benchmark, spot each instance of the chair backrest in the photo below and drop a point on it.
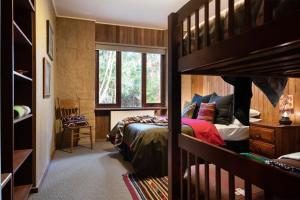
(68, 107)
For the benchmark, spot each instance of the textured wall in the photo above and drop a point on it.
(45, 115)
(75, 74)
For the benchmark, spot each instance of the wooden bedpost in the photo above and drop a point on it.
(174, 107)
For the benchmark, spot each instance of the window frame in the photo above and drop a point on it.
(144, 83)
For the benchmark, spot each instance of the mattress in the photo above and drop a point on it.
(233, 132)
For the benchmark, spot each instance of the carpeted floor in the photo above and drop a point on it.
(86, 175)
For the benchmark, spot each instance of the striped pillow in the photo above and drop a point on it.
(188, 110)
(207, 112)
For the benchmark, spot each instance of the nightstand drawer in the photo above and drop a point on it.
(262, 148)
(263, 134)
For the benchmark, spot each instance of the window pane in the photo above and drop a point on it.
(153, 76)
(131, 79)
(107, 77)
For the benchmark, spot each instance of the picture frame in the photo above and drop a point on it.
(50, 42)
(46, 78)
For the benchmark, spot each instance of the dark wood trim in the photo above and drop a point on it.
(206, 24)
(174, 101)
(163, 80)
(189, 34)
(144, 79)
(119, 78)
(268, 12)
(197, 30)
(128, 109)
(217, 20)
(231, 18)
(248, 15)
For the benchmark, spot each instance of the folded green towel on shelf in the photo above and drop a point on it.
(21, 111)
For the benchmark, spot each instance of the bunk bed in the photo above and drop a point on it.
(270, 48)
(145, 145)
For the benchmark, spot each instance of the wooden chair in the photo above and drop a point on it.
(72, 107)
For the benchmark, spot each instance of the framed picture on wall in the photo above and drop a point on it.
(50, 41)
(46, 78)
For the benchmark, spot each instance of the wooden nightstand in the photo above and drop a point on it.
(274, 140)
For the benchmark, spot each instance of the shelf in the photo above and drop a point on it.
(22, 192)
(19, 157)
(19, 36)
(22, 118)
(21, 77)
(5, 178)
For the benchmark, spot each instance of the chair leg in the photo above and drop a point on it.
(72, 141)
(62, 138)
(91, 137)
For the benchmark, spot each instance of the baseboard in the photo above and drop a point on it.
(36, 189)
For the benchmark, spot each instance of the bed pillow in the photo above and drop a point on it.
(224, 108)
(200, 99)
(188, 110)
(207, 112)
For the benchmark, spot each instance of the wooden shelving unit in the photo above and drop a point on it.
(22, 118)
(17, 134)
(21, 77)
(5, 178)
(22, 192)
(19, 157)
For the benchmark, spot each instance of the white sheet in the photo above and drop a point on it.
(233, 132)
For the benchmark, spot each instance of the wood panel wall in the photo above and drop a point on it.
(259, 100)
(130, 35)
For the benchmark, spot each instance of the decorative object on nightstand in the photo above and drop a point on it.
(273, 140)
(286, 108)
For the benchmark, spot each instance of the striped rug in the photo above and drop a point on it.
(147, 188)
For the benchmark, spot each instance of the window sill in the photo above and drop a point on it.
(129, 109)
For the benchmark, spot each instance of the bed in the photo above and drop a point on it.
(268, 49)
(146, 145)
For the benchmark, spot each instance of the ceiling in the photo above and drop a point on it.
(140, 13)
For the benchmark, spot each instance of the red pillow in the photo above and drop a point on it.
(207, 112)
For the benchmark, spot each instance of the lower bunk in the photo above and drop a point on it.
(146, 145)
(207, 171)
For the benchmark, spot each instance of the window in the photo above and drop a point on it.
(153, 78)
(107, 77)
(129, 79)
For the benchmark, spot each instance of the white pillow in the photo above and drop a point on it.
(251, 120)
(254, 113)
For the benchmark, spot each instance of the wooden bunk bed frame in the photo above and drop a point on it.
(275, 52)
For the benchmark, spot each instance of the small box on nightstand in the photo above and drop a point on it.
(273, 140)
